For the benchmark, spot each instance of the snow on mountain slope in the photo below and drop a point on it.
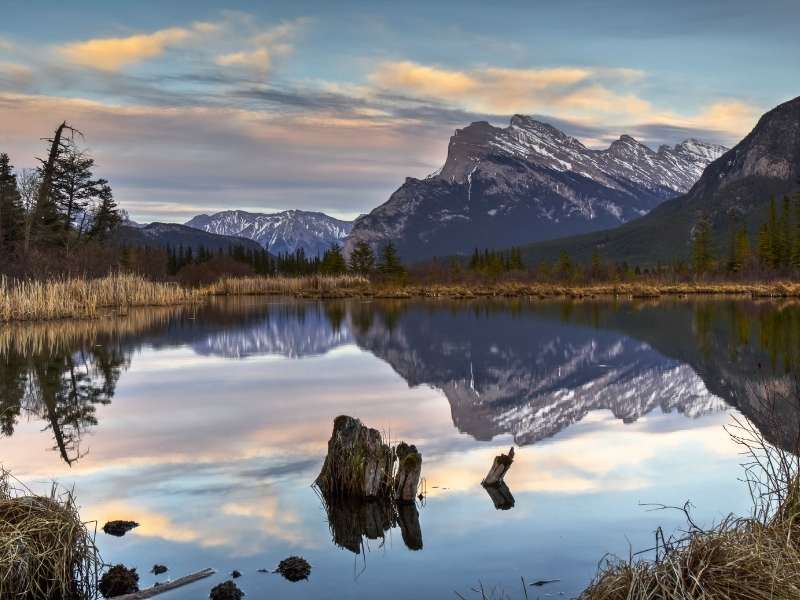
(279, 233)
(528, 182)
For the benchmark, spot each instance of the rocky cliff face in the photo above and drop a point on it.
(527, 182)
(735, 189)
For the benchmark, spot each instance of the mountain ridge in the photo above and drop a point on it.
(734, 189)
(529, 181)
(279, 233)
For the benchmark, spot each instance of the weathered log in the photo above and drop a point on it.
(500, 467)
(358, 463)
(409, 470)
(501, 496)
(166, 587)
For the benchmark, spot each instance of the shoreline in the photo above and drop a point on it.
(71, 299)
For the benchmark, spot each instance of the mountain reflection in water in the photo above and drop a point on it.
(528, 369)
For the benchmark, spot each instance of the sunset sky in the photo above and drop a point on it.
(202, 106)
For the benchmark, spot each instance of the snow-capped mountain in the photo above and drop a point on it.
(279, 233)
(735, 190)
(528, 182)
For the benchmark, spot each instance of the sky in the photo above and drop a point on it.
(202, 106)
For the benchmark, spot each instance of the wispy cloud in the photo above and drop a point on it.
(586, 95)
(112, 54)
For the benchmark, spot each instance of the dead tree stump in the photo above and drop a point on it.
(500, 467)
(358, 464)
(409, 470)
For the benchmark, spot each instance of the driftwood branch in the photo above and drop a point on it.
(166, 587)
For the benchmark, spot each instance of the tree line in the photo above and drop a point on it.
(61, 204)
(776, 249)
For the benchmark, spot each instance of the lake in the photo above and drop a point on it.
(208, 426)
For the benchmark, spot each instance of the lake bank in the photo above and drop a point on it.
(80, 298)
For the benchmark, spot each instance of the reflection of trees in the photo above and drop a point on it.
(62, 388)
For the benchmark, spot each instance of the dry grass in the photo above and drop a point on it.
(46, 551)
(287, 286)
(81, 298)
(86, 298)
(754, 558)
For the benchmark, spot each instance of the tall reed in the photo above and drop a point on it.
(26, 300)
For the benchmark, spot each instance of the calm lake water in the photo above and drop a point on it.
(209, 425)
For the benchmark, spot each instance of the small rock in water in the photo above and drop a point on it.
(158, 569)
(226, 591)
(236, 574)
(119, 528)
(119, 580)
(263, 571)
(294, 568)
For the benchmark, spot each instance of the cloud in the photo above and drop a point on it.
(264, 46)
(586, 96)
(258, 59)
(112, 54)
(424, 80)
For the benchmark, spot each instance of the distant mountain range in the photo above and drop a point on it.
(279, 233)
(734, 189)
(175, 235)
(526, 183)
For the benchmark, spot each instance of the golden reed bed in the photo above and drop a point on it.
(87, 298)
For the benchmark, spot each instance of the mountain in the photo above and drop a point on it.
(281, 232)
(735, 188)
(525, 183)
(173, 234)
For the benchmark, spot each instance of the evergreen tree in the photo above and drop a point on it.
(362, 259)
(740, 250)
(106, 216)
(597, 266)
(11, 212)
(333, 262)
(74, 187)
(390, 262)
(702, 245)
(564, 266)
(796, 248)
(784, 236)
(772, 236)
(764, 247)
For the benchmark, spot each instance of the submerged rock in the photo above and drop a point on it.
(236, 574)
(119, 580)
(294, 568)
(226, 591)
(119, 528)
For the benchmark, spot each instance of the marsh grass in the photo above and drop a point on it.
(32, 300)
(28, 300)
(749, 558)
(243, 286)
(46, 551)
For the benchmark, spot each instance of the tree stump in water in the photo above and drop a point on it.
(408, 473)
(358, 463)
(500, 467)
